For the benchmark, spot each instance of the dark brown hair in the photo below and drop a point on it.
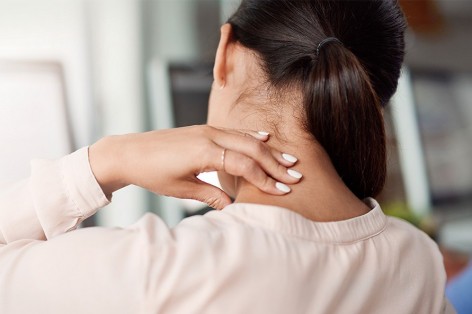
(345, 85)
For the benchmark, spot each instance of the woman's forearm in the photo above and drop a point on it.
(167, 162)
(61, 193)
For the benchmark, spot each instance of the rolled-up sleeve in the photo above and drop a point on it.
(91, 270)
(58, 196)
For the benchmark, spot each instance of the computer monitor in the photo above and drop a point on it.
(444, 110)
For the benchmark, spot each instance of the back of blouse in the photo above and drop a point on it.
(264, 259)
(245, 259)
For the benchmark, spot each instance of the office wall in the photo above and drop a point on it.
(98, 43)
(52, 30)
(114, 32)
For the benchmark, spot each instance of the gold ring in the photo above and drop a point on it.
(223, 154)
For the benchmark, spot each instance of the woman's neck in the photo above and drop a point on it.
(320, 196)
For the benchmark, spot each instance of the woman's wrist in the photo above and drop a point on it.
(104, 158)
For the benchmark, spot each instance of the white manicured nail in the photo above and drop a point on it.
(263, 133)
(294, 173)
(289, 158)
(282, 187)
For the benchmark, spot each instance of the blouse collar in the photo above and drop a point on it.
(291, 223)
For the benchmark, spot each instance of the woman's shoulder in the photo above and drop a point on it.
(413, 240)
(402, 227)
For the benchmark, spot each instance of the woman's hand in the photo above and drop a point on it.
(167, 162)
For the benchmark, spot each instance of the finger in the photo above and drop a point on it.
(209, 194)
(259, 152)
(240, 165)
(259, 135)
(285, 159)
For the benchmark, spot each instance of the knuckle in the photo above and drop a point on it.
(203, 130)
(248, 166)
(213, 197)
(212, 202)
(267, 183)
(204, 149)
(205, 152)
(207, 145)
(209, 130)
(281, 169)
(203, 139)
(242, 165)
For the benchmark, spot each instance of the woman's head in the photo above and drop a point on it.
(341, 88)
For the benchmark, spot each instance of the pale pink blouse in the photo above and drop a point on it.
(245, 259)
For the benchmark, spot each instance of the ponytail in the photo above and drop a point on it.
(343, 89)
(344, 114)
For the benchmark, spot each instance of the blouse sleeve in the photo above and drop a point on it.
(91, 270)
(58, 196)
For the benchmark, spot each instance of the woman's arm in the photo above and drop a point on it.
(167, 162)
(104, 270)
(61, 193)
(93, 270)
(90, 270)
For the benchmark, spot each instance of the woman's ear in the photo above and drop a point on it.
(221, 59)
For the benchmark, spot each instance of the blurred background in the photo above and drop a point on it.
(73, 71)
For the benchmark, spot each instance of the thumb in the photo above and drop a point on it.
(211, 195)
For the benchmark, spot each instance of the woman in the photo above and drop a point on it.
(302, 236)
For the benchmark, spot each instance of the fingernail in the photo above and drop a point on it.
(262, 135)
(294, 173)
(289, 158)
(282, 187)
